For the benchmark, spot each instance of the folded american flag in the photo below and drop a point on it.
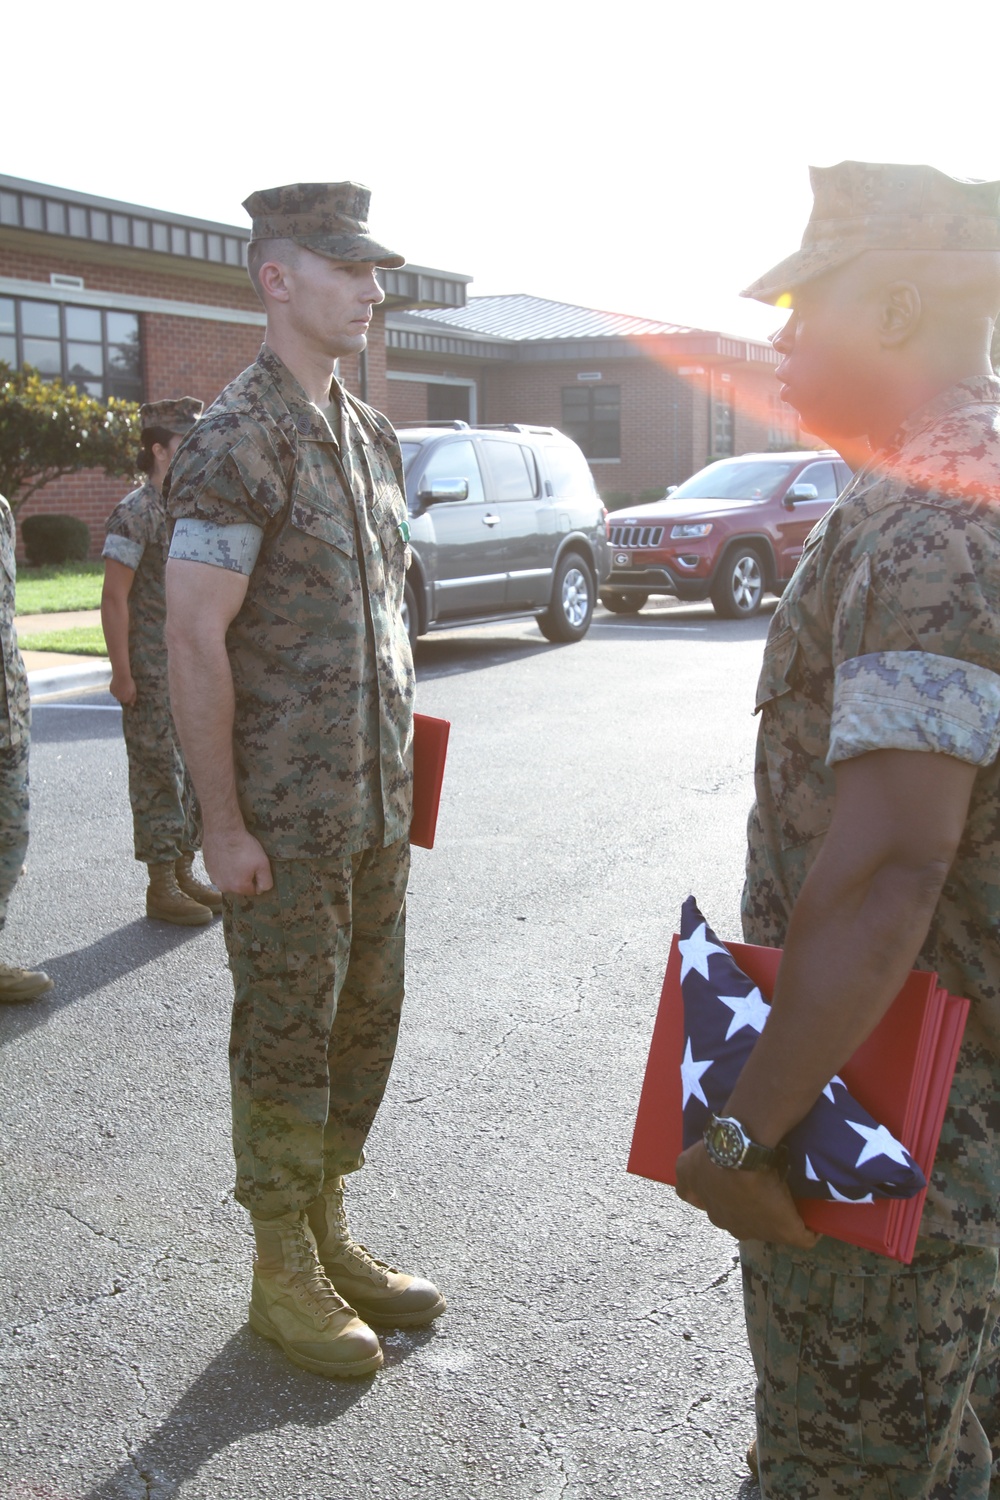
(837, 1151)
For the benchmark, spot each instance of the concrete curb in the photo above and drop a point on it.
(60, 682)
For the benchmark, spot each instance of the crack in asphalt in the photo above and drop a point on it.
(118, 1287)
(102, 1234)
(549, 1450)
(500, 1046)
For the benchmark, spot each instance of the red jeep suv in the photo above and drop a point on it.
(731, 533)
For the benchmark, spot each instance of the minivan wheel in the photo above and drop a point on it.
(738, 586)
(568, 616)
(411, 616)
(621, 603)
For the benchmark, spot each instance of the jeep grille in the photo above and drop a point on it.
(636, 536)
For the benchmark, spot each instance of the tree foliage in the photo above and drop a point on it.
(48, 429)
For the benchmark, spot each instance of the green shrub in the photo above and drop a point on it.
(55, 539)
(617, 499)
(656, 493)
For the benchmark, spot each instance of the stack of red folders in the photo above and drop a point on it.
(901, 1074)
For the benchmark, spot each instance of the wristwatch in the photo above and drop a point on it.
(728, 1145)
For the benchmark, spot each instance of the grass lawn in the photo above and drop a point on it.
(45, 591)
(83, 640)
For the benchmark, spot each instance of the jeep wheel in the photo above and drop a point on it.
(411, 615)
(622, 604)
(738, 586)
(568, 616)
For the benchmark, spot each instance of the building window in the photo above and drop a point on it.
(722, 423)
(591, 416)
(97, 351)
(783, 429)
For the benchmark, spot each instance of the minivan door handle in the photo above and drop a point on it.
(491, 520)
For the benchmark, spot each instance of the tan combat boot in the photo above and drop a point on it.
(380, 1293)
(293, 1304)
(199, 890)
(17, 986)
(167, 902)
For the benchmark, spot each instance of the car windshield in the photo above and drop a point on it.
(753, 480)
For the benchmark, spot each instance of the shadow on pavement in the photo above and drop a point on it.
(445, 655)
(248, 1388)
(83, 970)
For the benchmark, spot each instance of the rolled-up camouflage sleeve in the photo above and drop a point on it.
(915, 700)
(122, 549)
(232, 547)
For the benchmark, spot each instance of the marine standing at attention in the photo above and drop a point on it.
(874, 844)
(165, 819)
(292, 684)
(16, 985)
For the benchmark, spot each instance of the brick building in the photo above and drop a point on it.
(648, 402)
(128, 301)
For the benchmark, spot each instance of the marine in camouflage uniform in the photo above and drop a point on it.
(16, 985)
(878, 1381)
(165, 818)
(887, 638)
(306, 503)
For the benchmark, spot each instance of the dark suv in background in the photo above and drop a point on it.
(731, 533)
(503, 521)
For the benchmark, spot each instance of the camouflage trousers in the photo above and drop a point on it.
(13, 818)
(166, 822)
(317, 967)
(875, 1381)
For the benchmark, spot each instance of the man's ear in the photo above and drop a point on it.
(273, 280)
(900, 313)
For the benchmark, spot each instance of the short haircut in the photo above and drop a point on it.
(261, 251)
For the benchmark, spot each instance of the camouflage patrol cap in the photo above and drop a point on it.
(330, 218)
(177, 415)
(861, 205)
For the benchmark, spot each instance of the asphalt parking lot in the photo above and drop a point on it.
(593, 1346)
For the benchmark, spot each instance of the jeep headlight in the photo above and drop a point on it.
(687, 530)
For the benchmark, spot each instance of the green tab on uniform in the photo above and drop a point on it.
(404, 530)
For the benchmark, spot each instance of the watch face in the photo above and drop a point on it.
(725, 1142)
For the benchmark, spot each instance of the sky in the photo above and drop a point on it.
(642, 158)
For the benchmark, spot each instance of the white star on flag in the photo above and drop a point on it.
(748, 1010)
(842, 1198)
(694, 952)
(691, 1072)
(828, 1091)
(878, 1142)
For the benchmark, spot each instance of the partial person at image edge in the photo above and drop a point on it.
(17, 986)
(874, 843)
(292, 685)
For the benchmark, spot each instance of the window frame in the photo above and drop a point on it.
(112, 382)
(585, 434)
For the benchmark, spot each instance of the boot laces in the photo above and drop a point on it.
(308, 1279)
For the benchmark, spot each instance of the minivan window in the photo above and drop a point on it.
(735, 481)
(455, 459)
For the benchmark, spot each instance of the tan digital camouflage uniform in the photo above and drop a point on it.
(15, 725)
(165, 818)
(309, 506)
(876, 1380)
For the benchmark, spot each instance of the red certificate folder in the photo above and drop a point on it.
(901, 1074)
(430, 747)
